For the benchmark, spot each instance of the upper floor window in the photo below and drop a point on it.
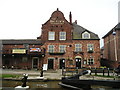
(26, 46)
(62, 35)
(51, 36)
(90, 47)
(78, 47)
(86, 35)
(50, 48)
(62, 48)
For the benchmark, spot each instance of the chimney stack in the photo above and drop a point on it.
(70, 18)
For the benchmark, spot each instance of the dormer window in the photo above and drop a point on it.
(86, 35)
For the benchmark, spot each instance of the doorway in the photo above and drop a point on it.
(62, 63)
(35, 62)
(78, 62)
(50, 63)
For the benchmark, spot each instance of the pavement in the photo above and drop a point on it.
(47, 75)
(35, 74)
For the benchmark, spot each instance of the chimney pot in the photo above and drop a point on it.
(75, 21)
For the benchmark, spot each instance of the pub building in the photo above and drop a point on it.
(62, 43)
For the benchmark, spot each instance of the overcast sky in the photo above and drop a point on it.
(22, 19)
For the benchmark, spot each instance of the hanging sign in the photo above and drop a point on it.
(35, 50)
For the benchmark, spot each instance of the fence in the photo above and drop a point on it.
(94, 71)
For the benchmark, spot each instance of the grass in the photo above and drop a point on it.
(9, 76)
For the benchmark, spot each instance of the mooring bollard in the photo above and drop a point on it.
(23, 86)
(108, 72)
(41, 73)
(24, 80)
(77, 70)
(103, 72)
(95, 71)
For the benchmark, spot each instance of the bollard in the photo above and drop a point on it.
(23, 86)
(77, 70)
(12, 67)
(62, 70)
(41, 73)
(95, 71)
(108, 72)
(103, 72)
(24, 80)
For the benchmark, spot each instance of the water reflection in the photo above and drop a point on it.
(43, 85)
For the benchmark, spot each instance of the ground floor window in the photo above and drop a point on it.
(90, 61)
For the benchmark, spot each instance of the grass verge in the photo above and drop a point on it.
(9, 76)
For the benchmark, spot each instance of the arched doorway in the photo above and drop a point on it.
(78, 61)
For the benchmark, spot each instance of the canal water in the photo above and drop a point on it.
(9, 85)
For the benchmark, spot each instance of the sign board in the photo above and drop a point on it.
(45, 67)
(20, 51)
(35, 50)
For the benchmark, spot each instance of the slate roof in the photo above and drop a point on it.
(21, 41)
(117, 27)
(78, 30)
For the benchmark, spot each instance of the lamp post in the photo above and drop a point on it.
(114, 34)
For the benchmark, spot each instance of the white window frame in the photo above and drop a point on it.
(86, 35)
(62, 48)
(78, 47)
(90, 61)
(50, 48)
(90, 47)
(51, 35)
(62, 35)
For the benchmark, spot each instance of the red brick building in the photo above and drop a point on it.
(112, 47)
(66, 44)
(22, 54)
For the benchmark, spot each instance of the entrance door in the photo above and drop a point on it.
(62, 63)
(78, 62)
(50, 63)
(35, 62)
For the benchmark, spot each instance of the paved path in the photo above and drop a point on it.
(49, 74)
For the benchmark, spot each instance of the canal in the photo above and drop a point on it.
(38, 85)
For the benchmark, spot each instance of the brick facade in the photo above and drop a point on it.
(62, 44)
(57, 23)
(112, 46)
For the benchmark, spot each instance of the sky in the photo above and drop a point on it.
(23, 19)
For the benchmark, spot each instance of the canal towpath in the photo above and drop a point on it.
(48, 75)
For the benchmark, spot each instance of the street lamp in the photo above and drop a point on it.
(114, 34)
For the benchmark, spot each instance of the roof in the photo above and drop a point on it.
(78, 30)
(117, 27)
(21, 41)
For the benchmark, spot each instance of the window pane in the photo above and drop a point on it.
(78, 47)
(51, 36)
(86, 35)
(51, 48)
(62, 35)
(62, 48)
(90, 47)
(90, 61)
